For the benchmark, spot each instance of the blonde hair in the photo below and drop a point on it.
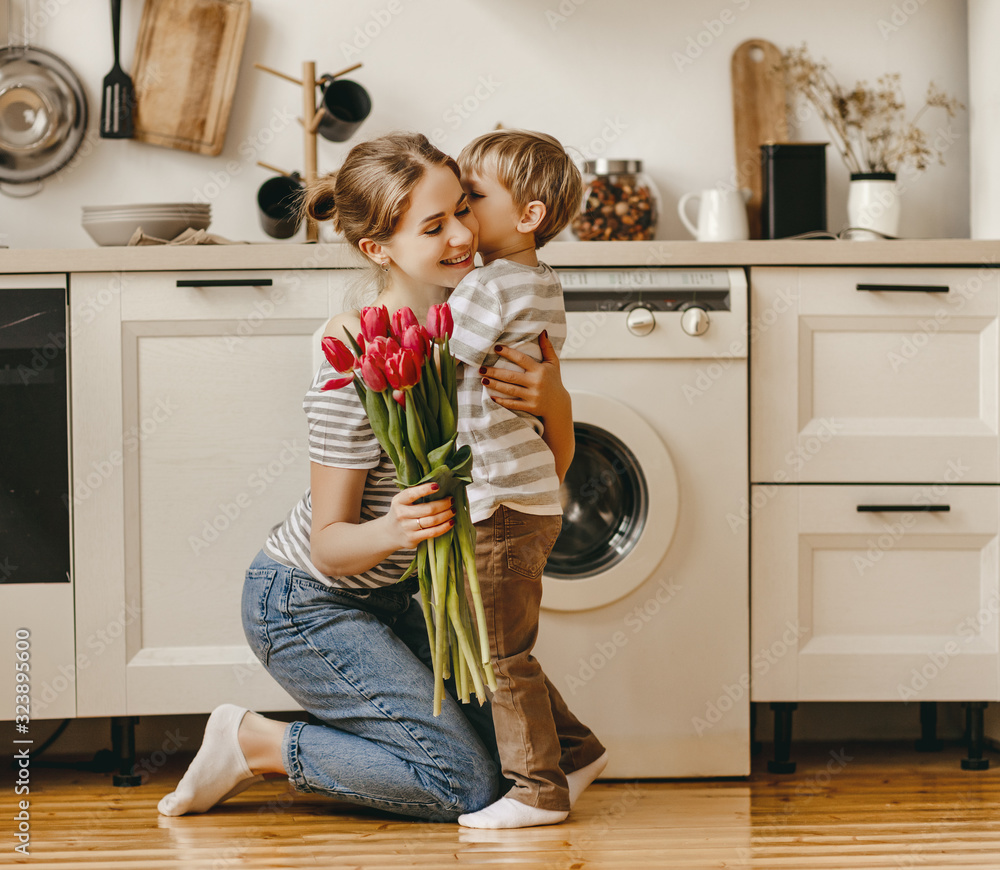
(368, 195)
(530, 166)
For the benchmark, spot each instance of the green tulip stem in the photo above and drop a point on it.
(425, 599)
(439, 581)
(467, 545)
(454, 614)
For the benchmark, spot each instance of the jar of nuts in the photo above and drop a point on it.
(620, 202)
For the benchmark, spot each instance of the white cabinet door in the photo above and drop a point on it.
(886, 375)
(895, 601)
(200, 451)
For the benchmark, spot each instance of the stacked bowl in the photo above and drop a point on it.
(115, 224)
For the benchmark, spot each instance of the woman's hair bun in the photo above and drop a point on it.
(318, 201)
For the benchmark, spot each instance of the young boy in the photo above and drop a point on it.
(523, 189)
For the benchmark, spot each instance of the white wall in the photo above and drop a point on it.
(604, 76)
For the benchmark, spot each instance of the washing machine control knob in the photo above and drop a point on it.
(694, 320)
(640, 321)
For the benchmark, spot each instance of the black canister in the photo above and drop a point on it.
(793, 189)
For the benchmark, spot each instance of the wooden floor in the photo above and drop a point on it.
(855, 806)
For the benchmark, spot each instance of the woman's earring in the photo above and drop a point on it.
(385, 265)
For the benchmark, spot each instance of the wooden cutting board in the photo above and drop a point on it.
(758, 115)
(186, 62)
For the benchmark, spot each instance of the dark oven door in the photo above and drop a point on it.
(34, 452)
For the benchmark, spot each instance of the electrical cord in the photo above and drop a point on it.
(102, 762)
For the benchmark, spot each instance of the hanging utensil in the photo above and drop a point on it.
(118, 93)
(43, 110)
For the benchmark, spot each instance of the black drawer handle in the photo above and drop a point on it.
(904, 288)
(225, 282)
(902, 508)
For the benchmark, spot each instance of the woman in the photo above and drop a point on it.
(321, 606)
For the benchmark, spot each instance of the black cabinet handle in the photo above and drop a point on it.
(225, 282)
(902, 508)
(904, 288)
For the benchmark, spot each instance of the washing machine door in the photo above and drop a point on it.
(620, 503)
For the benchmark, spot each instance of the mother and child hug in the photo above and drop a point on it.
(322, 606)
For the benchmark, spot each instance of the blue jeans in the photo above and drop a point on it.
(360, 663)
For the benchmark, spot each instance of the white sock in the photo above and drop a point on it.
(218, 771)
(578, 780)
(509, 813)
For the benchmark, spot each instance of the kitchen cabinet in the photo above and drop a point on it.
(36, 577)
(875, 375)
(874, 572)
(180, 474)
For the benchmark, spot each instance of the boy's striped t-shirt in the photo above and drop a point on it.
(509, 304)
(340, 436)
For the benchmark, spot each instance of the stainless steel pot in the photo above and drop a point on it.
(43, 110)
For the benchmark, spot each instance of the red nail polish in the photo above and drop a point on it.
(498, 348)
(482, 370)
(434, 487)
(545, 333)
(486, 382)
(451, 522)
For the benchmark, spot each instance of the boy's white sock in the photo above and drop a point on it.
(218, 771)
(509, 813)
(578, 780)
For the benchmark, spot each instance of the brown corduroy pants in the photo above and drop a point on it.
(538, 738)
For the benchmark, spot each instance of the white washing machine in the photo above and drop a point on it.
(645, 621)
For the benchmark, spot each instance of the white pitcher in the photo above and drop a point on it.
(722, 215)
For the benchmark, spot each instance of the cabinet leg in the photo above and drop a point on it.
(928, 741)
(123, 749)
(782, 739)
(974, 720)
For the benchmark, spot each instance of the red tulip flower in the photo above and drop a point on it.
(339, 355)
(402, 319)
(402, 369)
(383, 346)
(337, 383)
(372, 373)
(374, 322)
(439, 321)
(418, 340)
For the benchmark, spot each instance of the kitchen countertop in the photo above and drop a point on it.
(628, 254)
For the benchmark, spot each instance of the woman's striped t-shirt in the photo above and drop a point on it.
(340, 436)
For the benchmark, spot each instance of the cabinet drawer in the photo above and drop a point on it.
(291, 293)
(894, 384)
(897, 600)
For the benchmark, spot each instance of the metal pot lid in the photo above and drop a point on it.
(43, 114)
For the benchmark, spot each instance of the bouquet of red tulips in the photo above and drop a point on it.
(407, 385)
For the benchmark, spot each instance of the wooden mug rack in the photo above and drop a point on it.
(310, 121)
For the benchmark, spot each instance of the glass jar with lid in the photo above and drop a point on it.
(620, 202)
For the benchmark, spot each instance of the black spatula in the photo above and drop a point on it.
(118, 93)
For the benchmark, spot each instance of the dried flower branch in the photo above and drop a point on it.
(867, 124)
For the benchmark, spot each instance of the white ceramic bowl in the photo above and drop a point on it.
(117, 231)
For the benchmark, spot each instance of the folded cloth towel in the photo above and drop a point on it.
(188, 237)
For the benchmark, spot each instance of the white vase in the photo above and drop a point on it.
(873, 204)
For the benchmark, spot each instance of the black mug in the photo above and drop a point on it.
(279, 205)
(345, 106)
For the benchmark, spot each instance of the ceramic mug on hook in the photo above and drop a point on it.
(279, 201)
(344, 106)
(722, 215)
